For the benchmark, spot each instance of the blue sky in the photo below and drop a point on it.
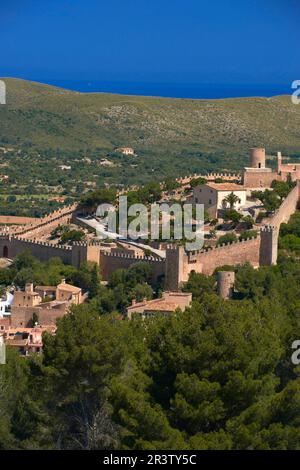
(166, 41)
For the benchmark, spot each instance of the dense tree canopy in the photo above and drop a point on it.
(217, 376)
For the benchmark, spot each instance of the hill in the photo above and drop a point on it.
(47, 127)
(54, 117)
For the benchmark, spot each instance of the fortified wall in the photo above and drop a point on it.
(210, 177)
(259, 251)
(287, 208)
(258, 175)
(12, 246)
(110, 262)
(17, 220)
(61, 216)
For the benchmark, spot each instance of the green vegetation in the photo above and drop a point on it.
(65, 235)
(26, 268)
(231, 199)
(171, 184)
(233, 216)
(248, 234)
(218, 376)
(92, 199)
(248, 221)
(289, 239)
(53, 140)
(228, 238)
(273, 199)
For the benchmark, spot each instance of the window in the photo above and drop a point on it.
(209, 201)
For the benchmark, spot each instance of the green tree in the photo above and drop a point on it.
(233, 216)
(231, 199)
(228, 238)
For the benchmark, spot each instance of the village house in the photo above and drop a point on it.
(46, 304)
(125, 150)
(26, 340)
(166, 305)
(68, 293)
(213, 195)
(5, 304)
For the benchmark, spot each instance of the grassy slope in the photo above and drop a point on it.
(57, 118)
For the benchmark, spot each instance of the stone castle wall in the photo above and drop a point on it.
(287, 208)
(233, 254)
(10, 247)
(259, 251)
(110, 262)
(259, 179)
(178, 264)
(209, 177)
(17, 220)
(46, 224)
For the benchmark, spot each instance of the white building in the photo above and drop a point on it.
(212, 195)
(5, 304)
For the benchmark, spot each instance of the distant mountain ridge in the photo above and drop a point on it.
(50, 117)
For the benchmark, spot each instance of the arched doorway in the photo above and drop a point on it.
(5, 252)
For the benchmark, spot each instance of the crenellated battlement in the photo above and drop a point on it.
(268, 228)
(211, 249)
(209, 176)
(132, 257)
(86, 244)
(40, 243)
(48, 219)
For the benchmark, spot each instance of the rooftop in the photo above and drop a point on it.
(226, 186)
(68, 288)
(45, 288)
(163, 304)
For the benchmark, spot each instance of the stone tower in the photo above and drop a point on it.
(257, 158)
(82, 252)
(225, 284)
(268, 246)
(174, 267)
(279, 162)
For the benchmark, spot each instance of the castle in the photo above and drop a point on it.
(260, 176)
(177, 264)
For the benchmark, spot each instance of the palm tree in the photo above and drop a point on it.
(231, 199)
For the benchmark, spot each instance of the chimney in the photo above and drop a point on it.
(63, 281)
(133, 302)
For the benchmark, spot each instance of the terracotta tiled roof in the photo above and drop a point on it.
(69, 288)
(226, 186)
(17, 342)
(46, 288)
(158, 305)
(162, 306)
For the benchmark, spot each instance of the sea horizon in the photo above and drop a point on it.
(171, 90)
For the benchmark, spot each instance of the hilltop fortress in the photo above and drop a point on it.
(177, 264)
(260, 176)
